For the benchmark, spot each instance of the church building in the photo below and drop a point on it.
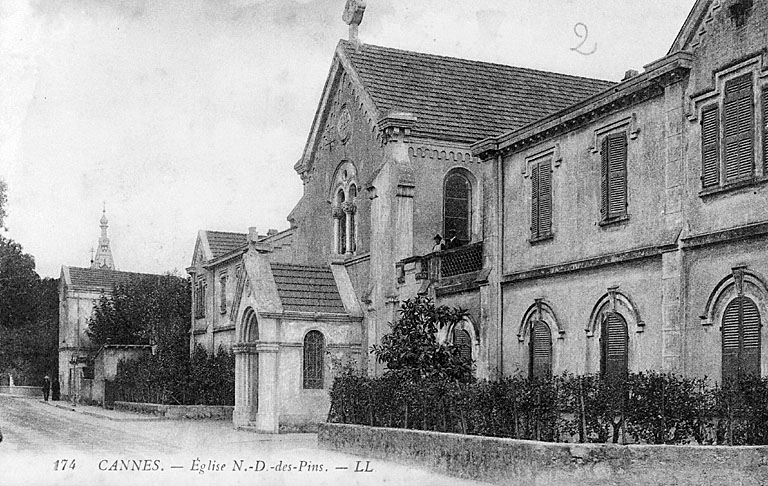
(388, 164)
(79, 291)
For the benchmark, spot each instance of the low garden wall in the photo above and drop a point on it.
(22, 391)
(522, 462)
(214, 412)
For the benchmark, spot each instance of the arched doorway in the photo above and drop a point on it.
(247, 370)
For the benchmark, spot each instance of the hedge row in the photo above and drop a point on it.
(177, 380)
(647, 407)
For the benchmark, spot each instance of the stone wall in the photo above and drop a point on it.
(213, 412)
(22, 391)
(520, 462)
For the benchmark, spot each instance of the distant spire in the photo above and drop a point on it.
(103, 258)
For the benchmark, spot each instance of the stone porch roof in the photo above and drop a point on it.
(307, 289)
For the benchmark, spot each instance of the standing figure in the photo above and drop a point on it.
(439, 245)
(452, 242)
(46, 387)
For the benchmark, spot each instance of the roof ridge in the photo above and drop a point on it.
(348, 45)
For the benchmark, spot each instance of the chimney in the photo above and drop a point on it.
(631, 73)
(353, 15)
(271, 232)
(253, 234)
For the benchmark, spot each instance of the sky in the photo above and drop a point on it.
(189, 115)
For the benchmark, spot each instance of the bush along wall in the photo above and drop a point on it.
(177, 380)
(648, 407)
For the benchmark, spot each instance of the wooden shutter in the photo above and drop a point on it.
(741, 339)
(750, 339)
(604, 179)
(545, 198)
(540, 350)
(765, 130)
(617, 175)
(535, 201)
(463, 342)
(738, 123)
(615, 344)
(710, 146)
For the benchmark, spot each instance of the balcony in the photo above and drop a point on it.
(443, 267)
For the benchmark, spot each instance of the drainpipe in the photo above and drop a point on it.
(500, 258)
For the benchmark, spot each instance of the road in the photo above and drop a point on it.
(124, 448)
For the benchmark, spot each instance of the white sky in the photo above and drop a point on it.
(184, 115)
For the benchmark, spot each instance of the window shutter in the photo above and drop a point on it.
(750, 340)
(615, 346)
(765, 130)
(710, 146)
(535, 201)
(604, 179)
(730, 341)
(540, 350)
(738, 122)
(545, 198)
(617, 174)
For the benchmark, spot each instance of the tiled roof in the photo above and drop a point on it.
(463, 100)
(307, 289)
(97, 277)
(223, 242)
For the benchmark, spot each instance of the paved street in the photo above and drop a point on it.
(124, 448)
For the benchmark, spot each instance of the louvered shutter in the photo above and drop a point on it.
(730, 341)
(765, 130)
(738, 123)
(545, 198)
(750, 341)
(741, 339)
(617, 174)
(463, 342)
(604, 179)
(615, 344)
(535, 201)
(540, 350)
(710, 146)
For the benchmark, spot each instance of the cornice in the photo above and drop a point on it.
(637, 89)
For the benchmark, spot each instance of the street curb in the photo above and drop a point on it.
(99, 415)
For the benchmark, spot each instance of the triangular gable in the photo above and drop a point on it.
(692, 26)
(340, 66)
(202, 251)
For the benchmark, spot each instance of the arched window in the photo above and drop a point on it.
(341, 242)
(250, 332)
(614, 346)
(457, 197)
(463, 342)
(343, 196)
(540, 351)
(350, 210)
(741, 339)
(314, 360)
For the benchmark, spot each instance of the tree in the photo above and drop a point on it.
(412, 343)
(18, 285)
(148, 309)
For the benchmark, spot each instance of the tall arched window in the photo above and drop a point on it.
(540, 351)
(741, 339)
(463, 342)
(343, 196)
(314, 360)
(457, 197)
(614, 346)
(341, 243)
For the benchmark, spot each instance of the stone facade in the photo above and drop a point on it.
(681, 244)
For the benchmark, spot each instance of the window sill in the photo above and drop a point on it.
(614, 221)
(540, 239)
(733, 186)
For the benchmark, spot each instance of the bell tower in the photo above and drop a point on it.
(103, 259)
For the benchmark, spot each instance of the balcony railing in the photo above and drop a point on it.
(443, 264)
